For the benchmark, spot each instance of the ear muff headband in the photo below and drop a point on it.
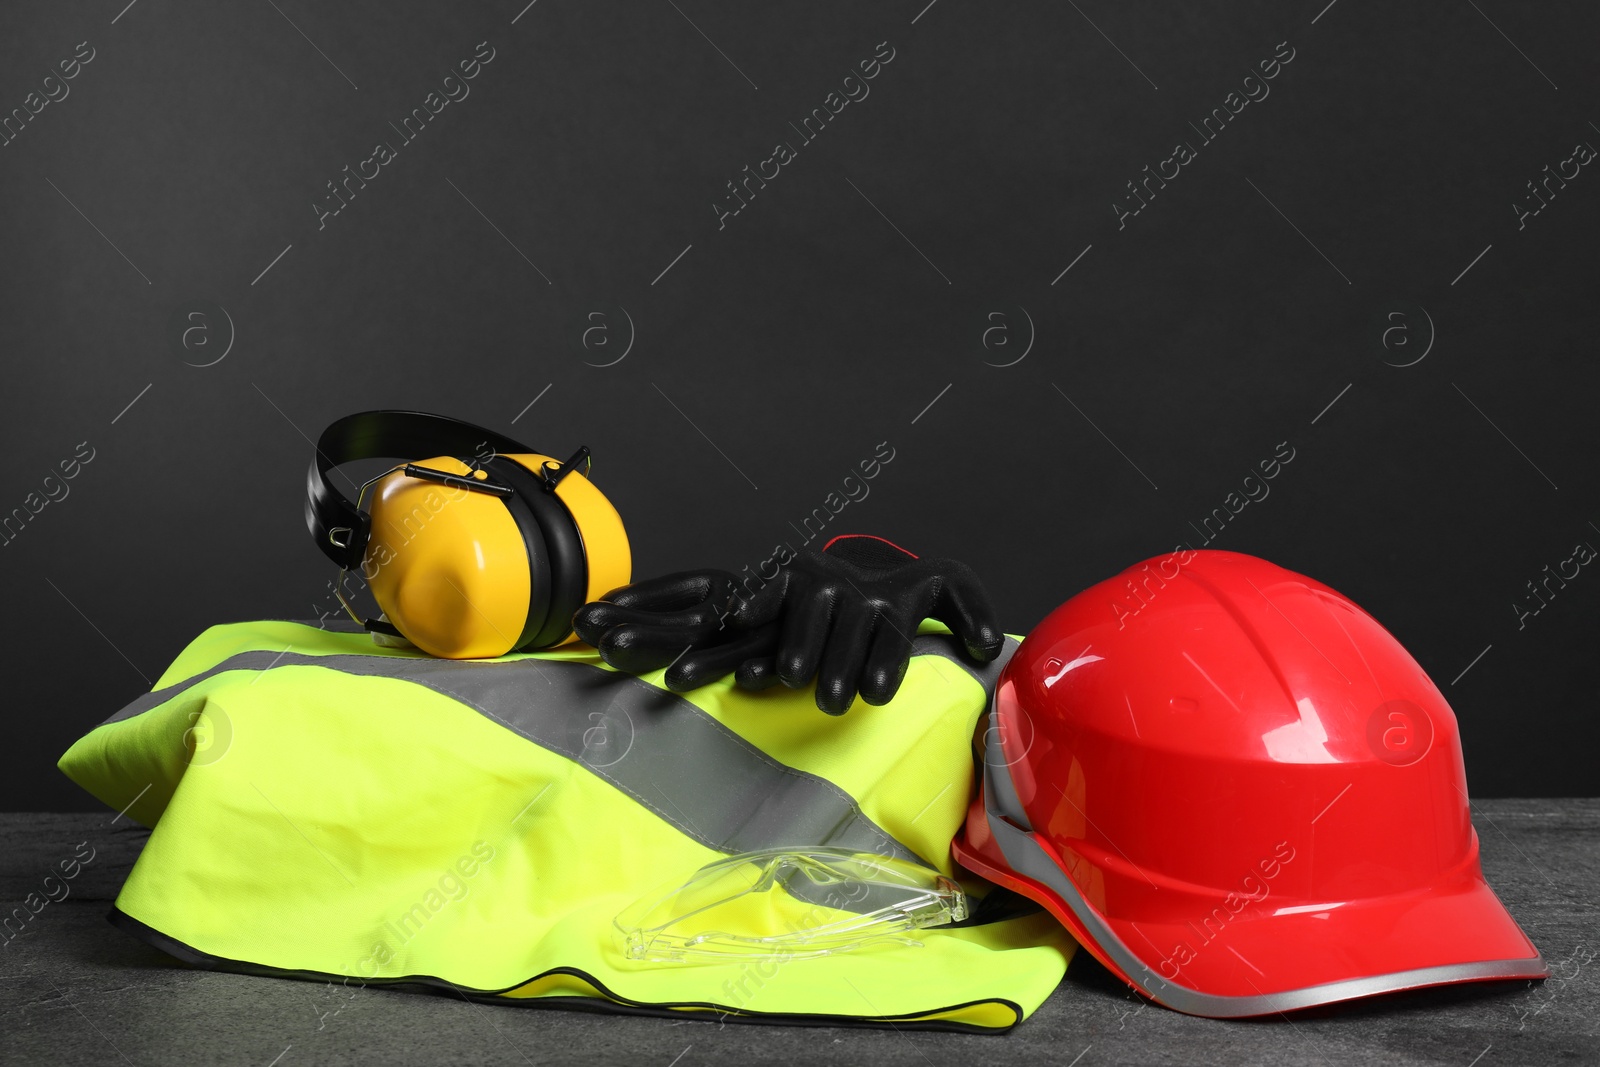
(568, 568)
(339, 528)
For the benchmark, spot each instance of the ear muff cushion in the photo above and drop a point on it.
(568, 569)
(539, 565)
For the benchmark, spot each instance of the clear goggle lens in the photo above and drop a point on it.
(789, 904)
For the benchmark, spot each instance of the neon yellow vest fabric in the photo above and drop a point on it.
(325, 808)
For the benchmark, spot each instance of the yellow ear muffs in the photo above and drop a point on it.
(467, 559)
(466, 574)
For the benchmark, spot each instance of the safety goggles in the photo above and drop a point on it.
(788, 904)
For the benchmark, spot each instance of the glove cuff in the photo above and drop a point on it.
(868, 551)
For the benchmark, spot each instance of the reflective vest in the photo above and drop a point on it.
(325, 808)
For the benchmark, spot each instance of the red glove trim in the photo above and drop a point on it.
(871, 537)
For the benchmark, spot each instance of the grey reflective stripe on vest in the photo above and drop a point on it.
(949, 648)
(660, 749)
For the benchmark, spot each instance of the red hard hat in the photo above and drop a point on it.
(1239, 792)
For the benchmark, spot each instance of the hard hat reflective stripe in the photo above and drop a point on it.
(1024, 856)
(637, 737)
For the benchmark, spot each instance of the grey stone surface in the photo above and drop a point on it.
(75, 990)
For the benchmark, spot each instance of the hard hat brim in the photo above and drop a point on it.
(1276, 957)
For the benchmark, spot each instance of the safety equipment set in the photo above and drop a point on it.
(533, 783)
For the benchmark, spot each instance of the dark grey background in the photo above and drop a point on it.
(1378, 178)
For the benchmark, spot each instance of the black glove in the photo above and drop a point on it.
(845, 617)
(680, 621)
